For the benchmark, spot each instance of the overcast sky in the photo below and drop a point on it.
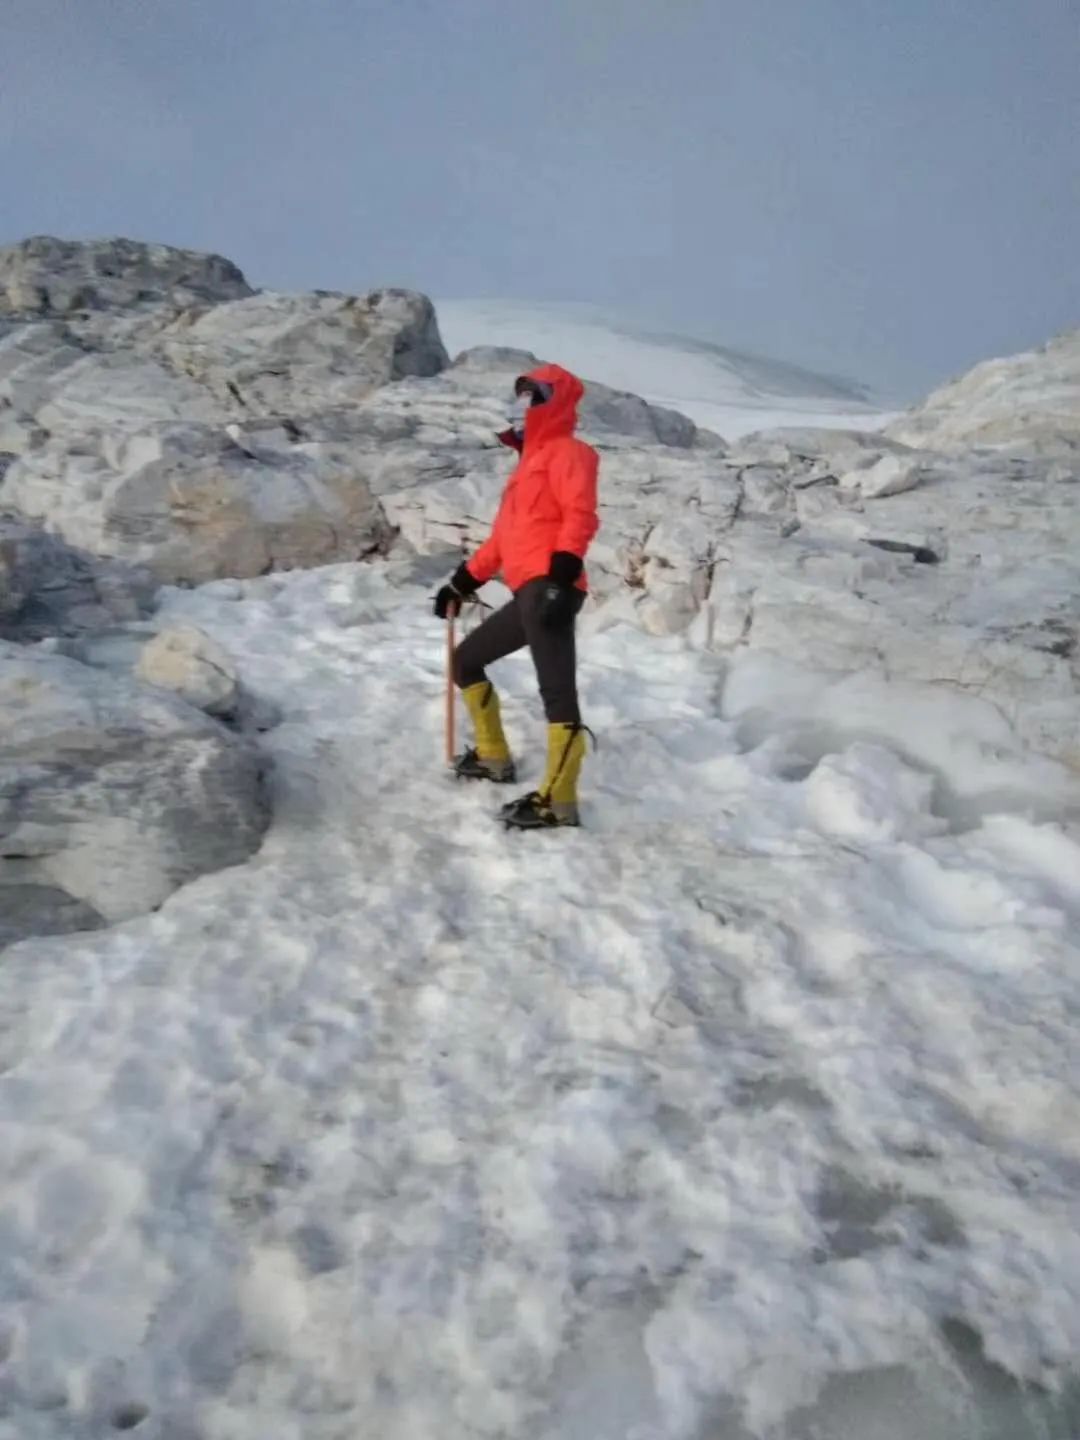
(885, 188)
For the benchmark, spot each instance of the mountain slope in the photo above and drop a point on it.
(747, 1112)
(412, 1128)
(721, 389)
(1029, 402)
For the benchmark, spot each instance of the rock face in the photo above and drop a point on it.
(836, 551)
(123, 423)
(191, 503)
(111, 795)
(49, 589)
(1029, 402)
(297, 355)
(46, 276)
(970, 582)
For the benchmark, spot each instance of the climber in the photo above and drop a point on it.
(546, 519)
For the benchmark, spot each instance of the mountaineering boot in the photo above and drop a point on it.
(555, 803)
(490, 758)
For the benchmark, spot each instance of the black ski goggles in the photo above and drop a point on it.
(538, 391)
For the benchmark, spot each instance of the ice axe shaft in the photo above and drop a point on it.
(451, 696)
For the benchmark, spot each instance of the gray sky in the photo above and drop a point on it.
(885, 188)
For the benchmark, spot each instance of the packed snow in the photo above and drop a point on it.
(721, 389)
(751, 1109)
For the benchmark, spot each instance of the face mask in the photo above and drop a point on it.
(516, 414)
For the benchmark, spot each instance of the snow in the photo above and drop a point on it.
(720, 389)
(751, 1109)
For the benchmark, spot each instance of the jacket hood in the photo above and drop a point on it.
(556, 417)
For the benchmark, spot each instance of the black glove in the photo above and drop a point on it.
(561, 600)
(449, 598)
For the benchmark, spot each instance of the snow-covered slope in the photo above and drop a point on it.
(756, 1098)
(721, 389)
(1028, 402)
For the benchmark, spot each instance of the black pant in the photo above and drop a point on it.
(553, 651)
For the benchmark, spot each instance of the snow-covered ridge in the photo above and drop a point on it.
(1028, 401)
(721, 389)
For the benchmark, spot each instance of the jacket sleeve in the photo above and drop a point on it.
(573, 482)
(486, 562)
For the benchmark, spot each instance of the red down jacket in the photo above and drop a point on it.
(549, 502)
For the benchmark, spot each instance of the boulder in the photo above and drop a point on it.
(190, 503)
(297, 355)
(226, 434)
(187, 661)
(111, 795)
(632, 418)
(891, 475)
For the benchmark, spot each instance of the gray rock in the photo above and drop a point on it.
(191, 504)
(891, 475)
(31, 357)
(188, 662)
(27, 908)
(46, 276)
(296, 355)
(111, 794)
(182, 429)
(500, 358)
(439, 484)
(49, 589)
(632, 418)
(234, 435)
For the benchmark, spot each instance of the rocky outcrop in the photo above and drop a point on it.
(245, 433)
(299, 355)
(111, 795)
(191, 503)
(970, 581)
(277, 432)
(126, 436)
(46, 276)
(1029, 402)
